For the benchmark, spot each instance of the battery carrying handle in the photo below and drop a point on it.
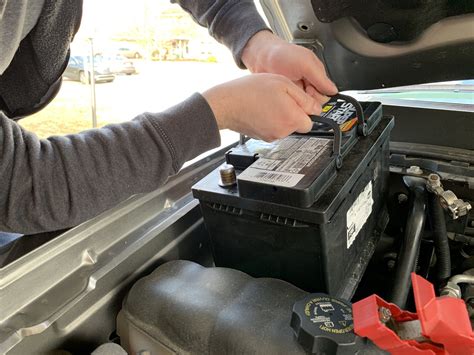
(337, 142)
(362, 129)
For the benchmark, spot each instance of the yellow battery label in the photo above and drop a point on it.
(327, 108)
(347, 126)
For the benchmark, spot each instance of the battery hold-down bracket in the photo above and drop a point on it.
(440, 325)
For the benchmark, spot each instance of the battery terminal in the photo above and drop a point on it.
(227, 175)
(448, 199)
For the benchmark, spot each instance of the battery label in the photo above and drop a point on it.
(358, 213)
(286, 163)
(341, 112)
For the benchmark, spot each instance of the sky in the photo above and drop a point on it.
(107, 21)
(103, 18)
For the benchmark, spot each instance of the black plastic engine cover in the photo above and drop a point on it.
(184, 308)
(187, 308)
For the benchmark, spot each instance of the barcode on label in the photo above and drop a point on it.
(274, 177)
(270, 177)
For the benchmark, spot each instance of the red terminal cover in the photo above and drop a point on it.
(443, 320)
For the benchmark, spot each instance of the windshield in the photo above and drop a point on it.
(453, 92)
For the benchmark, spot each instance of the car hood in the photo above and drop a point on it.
(371, 44)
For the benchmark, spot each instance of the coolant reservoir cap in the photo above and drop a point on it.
(324, 325)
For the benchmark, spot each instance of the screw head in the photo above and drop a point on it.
(391, 264)
(402, 198)
(414, 170)
(384, 314)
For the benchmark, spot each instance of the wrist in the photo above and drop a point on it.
(215, 100)
(254, 48)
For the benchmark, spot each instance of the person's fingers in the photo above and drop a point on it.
(265, 106)
(302, 99)
(320, 98)
(294, 119)
(304, 123)
(316, 75)
(303, 105)
(300, 84)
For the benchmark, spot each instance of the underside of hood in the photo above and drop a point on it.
(369, 44)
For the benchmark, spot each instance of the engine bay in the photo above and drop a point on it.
(327, 215)
(169, 273)
(357, 238)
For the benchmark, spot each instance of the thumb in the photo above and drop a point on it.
(305, 124)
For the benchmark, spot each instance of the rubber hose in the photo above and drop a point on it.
(410, 247)
(462, 279)
(440, 238)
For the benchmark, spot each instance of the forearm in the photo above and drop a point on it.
(63, 181)
(231, 22)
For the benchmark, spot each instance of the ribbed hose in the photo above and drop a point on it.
(410, 247)
(440, 238)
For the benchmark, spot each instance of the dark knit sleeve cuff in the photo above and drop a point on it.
(188, 129)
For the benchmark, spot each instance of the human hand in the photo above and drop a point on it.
(267, 53)
(263, 106)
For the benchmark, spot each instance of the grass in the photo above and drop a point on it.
(68, 113)
(158, 85)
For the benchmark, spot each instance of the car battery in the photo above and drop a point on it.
(309, 208)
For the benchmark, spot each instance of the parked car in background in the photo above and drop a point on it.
(119, 64)
(79, 69)
(130, 53)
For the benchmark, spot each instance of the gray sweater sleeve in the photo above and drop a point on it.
(230, 22)
(62, 181)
